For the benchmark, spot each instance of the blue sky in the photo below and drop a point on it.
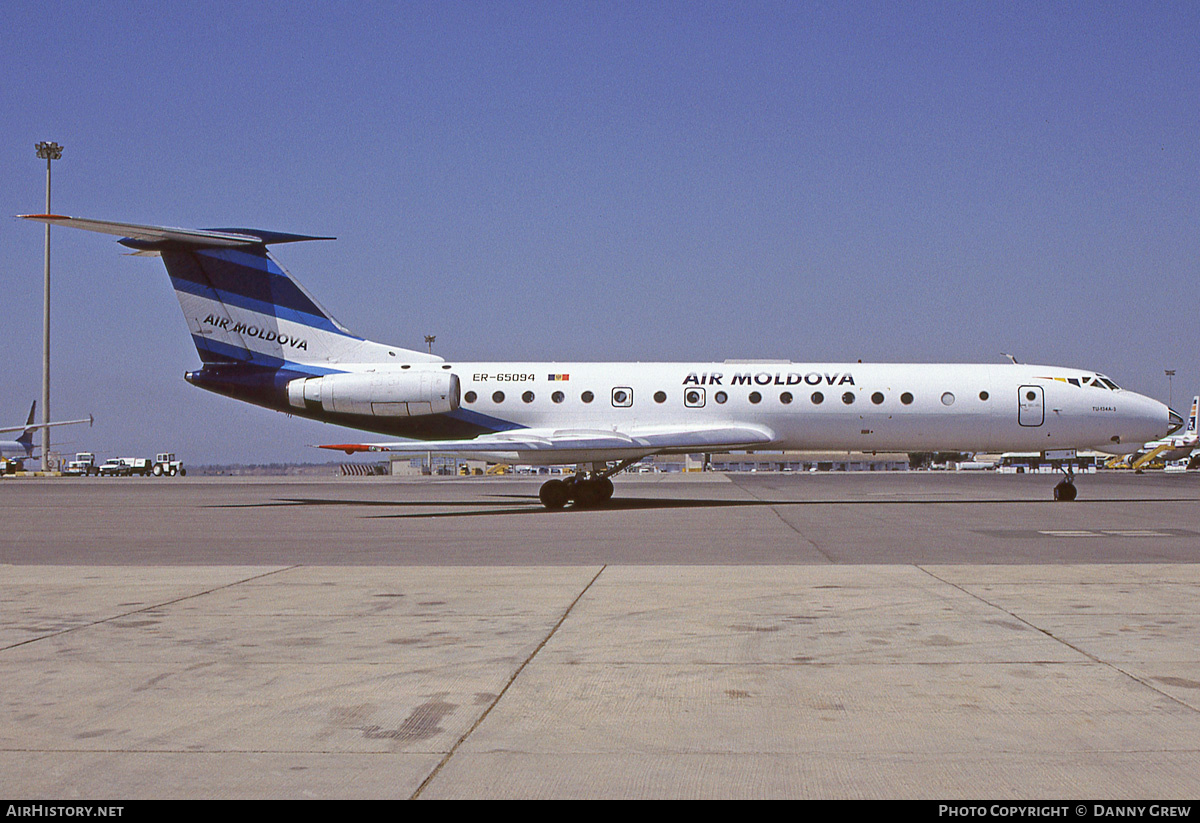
(896, 181)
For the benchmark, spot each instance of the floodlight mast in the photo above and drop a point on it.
(48, 152)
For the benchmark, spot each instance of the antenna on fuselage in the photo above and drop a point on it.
(1010, 357)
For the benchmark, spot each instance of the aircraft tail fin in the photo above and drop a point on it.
(1190, 428)
(26, 438)
(241, 306)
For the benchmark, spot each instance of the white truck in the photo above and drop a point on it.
(124, 467)
(166, 464)
(84, 465)
(113, 467)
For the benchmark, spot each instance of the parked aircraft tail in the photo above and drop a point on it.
(241, 306)
(26, 438)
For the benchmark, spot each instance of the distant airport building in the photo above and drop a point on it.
(1009, 463)
(786, 462)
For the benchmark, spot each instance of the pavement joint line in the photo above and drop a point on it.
(479, 720)
(148, 608)
(775, 511)
(1107, 664)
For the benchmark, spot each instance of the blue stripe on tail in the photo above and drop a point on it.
(249, 280)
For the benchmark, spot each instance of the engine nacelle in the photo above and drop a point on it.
(378, 394)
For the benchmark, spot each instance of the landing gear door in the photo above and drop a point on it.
(1031, 410)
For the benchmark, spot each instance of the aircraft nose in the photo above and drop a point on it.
(1174, 421)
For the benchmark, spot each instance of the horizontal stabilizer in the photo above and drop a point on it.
(31, 426)
(152, 238)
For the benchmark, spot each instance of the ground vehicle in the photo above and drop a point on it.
(113, 467)
(83, 464)
(137, 465)
(165, 463)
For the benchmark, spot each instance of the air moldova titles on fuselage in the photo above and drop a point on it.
(268, 335)
(770, 379)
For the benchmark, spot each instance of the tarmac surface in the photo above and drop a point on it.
(910, 635)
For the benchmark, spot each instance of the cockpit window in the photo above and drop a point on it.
(1110, 384)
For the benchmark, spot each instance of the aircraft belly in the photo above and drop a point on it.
(901, 431)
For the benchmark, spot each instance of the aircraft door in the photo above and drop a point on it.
(1031, 410)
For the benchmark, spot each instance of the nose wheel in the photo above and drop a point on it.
(1065, 490)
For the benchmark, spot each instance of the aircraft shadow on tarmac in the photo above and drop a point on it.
(529, 504)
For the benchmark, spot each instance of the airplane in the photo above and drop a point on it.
(22, 448)
(263, 339)
(1176, 446)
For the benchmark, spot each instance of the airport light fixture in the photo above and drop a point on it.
(48, 152)
(1170, 386)
(429, 338)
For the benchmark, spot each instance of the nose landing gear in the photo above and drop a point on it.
(1065, 490)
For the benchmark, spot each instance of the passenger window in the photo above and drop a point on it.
(848, 398)
(818, 398)
(755, 397)
(587, 397)
(785, 398)
(527, 397)
(498, 397)
(877, 398)
(622, 397)
(470, 397)
(720, 397)
(660, 397)
(693, 398)
(906, 398)
(558, 397)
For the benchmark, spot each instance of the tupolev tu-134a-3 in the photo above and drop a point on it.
(264, 339)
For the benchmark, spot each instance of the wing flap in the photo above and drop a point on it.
(575, 445)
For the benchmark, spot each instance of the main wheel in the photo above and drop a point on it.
(588, 493)
(554, 494)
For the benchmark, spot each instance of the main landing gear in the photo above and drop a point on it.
(1065, 490)
(584, 489)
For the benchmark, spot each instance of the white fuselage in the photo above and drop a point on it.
(13, 450)
(836, 406)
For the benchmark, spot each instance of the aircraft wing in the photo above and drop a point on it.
(552, 446)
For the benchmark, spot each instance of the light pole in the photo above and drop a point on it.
(1170, 387)
(429, 338)
(48, 152)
